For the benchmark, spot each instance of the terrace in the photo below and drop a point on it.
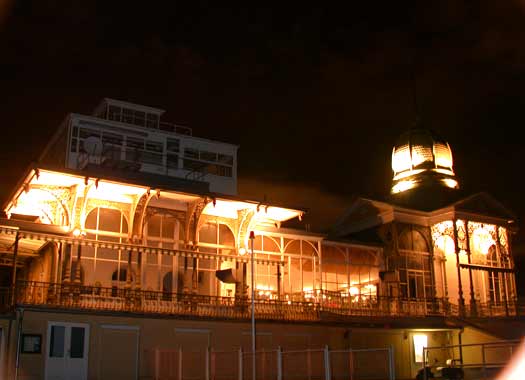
(77, 297)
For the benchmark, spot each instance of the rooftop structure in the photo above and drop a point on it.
(421, 158)
(128, 140)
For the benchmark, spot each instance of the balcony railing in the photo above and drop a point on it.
(311, 308)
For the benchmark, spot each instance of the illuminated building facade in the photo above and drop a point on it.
(128, 230)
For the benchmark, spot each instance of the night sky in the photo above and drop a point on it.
(314, 96)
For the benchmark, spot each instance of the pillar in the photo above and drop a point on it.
(138, 280)
(77, 277)
(461, 300)
(128, 271)
(13, 274)
(473, 307)
(67, 260)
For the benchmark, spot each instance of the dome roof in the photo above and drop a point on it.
(418, 153)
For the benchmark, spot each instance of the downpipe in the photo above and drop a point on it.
(20, 314)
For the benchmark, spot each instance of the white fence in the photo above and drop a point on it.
(481, 361)
(310, 364)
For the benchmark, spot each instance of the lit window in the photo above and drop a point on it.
(420, 341)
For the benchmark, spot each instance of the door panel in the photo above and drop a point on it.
(66, 354)
(119, 349)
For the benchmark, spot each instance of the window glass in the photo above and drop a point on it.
(56, 345)
(208, 233)
(154, 226)
(168, 227)
(172, 160)
(154, 146)
(77, 342)
(413, 240)
(172, 145)
(91, 220)
(112, 139)
(114, 113)
(110, 220)
(226, 235)
(152, 120)
(191, 153)
(152, 158)
(208, 156)
(127, 116)
(86, 132)
(225, 159)
(140, 118)
(134, 142)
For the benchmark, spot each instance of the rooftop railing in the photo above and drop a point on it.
(171, 127)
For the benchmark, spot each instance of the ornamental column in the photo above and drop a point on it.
(67, 261)
(473, 307)
(461, 300)
(77, 276)
(138, 280)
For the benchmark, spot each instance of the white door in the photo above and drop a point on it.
(67, 351)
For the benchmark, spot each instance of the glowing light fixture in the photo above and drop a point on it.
(482, 240)
(78, 233)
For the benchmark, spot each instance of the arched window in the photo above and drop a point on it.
(495, 278)
(162, 230)
(364, 274)
(335, 269)
(301, 272)
(216, 238)
(415, 276)
(266, 276)
(106, 222)
(109, 225)
(413, 240)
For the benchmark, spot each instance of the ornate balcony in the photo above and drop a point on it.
(89, 298)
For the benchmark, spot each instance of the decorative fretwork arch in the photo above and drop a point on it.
(138, 216)
(193, 220)
(61, 195)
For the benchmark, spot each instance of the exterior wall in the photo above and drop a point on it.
(118, 132)
(113, 340)
(403, 344)
(125, 346)
(474, 354)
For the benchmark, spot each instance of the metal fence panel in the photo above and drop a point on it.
(308, 364)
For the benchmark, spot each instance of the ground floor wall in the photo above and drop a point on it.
(473, 351)
(123, 347)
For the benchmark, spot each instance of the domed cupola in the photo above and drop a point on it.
(421, 158)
